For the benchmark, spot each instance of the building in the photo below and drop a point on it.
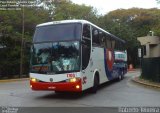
(150, 46)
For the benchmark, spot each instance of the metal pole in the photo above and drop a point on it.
(21, 57)
(152, 33)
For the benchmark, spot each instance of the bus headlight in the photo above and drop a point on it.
(34, 80)
(73, 79)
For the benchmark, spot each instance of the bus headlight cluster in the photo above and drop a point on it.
(34, 80)
(74, 79)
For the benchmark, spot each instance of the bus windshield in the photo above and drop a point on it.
(55, 57)
(58, 32)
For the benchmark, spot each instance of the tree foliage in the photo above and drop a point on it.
(11, 36)
(126, 24)
(11, 29)
(130, 24)
(158, 1)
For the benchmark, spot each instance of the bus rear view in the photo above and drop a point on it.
(55, 57)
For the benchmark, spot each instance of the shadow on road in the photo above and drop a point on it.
(72, 95)
(63, 95)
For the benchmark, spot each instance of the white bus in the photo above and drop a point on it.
(120, 61)
(73, 55)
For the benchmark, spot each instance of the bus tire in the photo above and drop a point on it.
(95, 84)
(122, 74)
(120, 77)
(58, 92)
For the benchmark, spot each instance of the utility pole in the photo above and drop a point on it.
(21, 56)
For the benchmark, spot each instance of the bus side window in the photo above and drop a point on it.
(102, 39)
(86, 46)
(113, 44)
(86, 32)
(108, 42)
(120, 46)
(95, 37)
(116, 45)
(105, 40)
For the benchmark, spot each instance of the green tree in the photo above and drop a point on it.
(11, 29)
(126, 24)
(130, 24)
(11, 36)
(68, 10)
(158, 1)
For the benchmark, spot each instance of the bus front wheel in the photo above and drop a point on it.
(95, 84)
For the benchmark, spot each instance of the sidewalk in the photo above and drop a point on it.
(145, 82)
(14, 80)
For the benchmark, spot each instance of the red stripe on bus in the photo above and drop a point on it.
(52, 86)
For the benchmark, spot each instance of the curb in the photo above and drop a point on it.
(14, 80)
(136, 79)
(133, 70)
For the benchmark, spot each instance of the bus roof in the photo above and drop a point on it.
(79, 21)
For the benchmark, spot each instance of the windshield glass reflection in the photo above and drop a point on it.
(57, 57)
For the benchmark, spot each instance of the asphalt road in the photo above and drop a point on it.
(112, 94)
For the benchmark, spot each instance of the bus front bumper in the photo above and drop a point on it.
(56, 86)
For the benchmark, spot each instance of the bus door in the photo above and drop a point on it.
(86, 51)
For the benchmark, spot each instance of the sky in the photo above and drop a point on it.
(105, 6)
